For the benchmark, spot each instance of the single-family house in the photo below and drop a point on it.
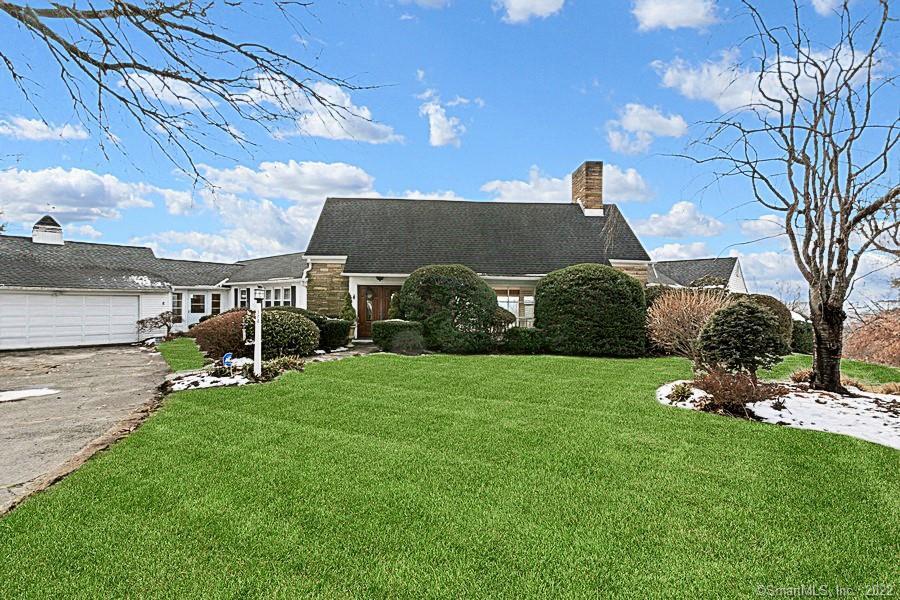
(62, 293)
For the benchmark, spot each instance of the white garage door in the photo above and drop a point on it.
(32, 320)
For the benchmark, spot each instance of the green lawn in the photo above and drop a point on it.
(854, 369)
(182, 354)
(441, 476)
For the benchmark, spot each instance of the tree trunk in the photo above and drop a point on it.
(828, 328)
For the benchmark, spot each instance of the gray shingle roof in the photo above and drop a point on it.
(494, 238)
(86, 265)
(685, 272)
(79, 265)
(272, 267)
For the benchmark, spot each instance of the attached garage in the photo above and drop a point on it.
(54, 319)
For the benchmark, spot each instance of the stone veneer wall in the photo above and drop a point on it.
(639, 272)
(325, 288)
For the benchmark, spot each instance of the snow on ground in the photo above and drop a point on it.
(23, 394)
(194, 381)
(871, 417)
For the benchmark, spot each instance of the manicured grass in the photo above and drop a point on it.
(441, 476)
(182, 354)
(854, 369)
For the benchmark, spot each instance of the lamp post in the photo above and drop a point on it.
(259, 295)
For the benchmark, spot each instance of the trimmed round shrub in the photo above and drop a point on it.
(782, 313)
(315, 317)
(591, 310)
(222, 334)
(742, 337)
(384, 332)
(802, 337)
(522, 340)
(284, 333)
(456, 307)
(334, 333)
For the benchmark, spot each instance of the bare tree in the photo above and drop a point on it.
(174, 69)
(817, 144)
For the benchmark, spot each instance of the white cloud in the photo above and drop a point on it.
(443, 130)
(521, 11)
(306, 182)
(680, 251)
(420, 75)
(84, 231)
(633, 132)
(826, 7)
(438, 195)
(70, 195)
(730, 85)
(618, 185)
(763, 227)
(536, 189)
(36, 130)
(672, 14)
(682, 220)
(342, 120)
(168, 91)
(624, 185)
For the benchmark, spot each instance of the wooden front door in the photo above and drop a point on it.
(373, 302)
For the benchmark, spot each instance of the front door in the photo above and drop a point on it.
(373, 302)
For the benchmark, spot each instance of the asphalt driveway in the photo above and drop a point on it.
(98, 391)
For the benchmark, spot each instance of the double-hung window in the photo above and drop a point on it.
(244, 299)
(177, 306)
(198, 303)
(519, 302)
(269, 298)
(286, 296)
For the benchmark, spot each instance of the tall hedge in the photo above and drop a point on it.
(591, 310)
(455, 306)
(802, 337)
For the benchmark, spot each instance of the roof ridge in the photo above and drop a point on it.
(486, 202)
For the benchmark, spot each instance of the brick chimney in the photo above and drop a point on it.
(587, 187)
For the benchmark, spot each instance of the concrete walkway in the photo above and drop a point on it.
(102, 394)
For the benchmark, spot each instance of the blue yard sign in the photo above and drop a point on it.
(226, 360)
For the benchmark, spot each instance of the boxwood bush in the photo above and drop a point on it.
(591, 310)
(521, 340)
(334, 333)
(385, 332)
(285, 333)
(222, 334)
(456, 307)
(742, 337)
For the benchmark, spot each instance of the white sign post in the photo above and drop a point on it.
(258, 295)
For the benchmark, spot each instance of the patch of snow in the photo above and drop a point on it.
(798, 317)
(867, 416)
(320, 352)
(144, 281)
(196, 381)
(240, 362)
(23, 394)
(341, 349)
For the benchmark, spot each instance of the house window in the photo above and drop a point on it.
(216, 307)
(269, 298)
(243, 298)
(286, 296)
(177, 307)
(198, 303)
(518, 302)
(278, 297)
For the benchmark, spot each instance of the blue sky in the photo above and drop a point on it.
(474, 99)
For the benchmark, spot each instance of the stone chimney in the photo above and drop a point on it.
(47, 231)
(587, 187)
